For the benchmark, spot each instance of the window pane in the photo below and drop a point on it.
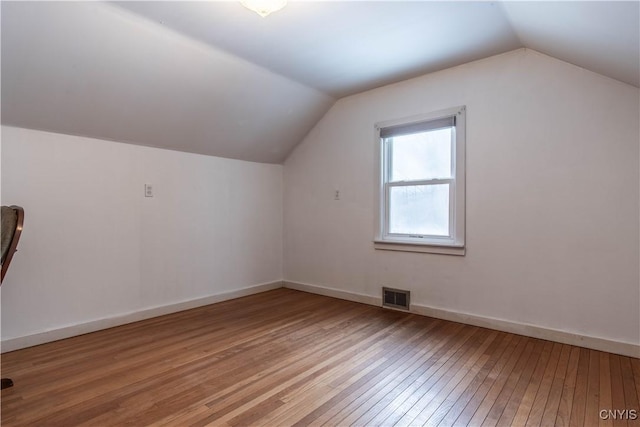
(419, 209)
(424, 155)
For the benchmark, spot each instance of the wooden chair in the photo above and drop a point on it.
(12, 219)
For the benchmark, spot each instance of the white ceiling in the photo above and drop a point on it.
(215, 78)
(343, 48)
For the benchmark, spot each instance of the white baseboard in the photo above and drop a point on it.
(564, 337)
(333, 292)
(596, 343)
(109, 322)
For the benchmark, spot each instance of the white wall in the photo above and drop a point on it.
(552, 198)
(93, 247)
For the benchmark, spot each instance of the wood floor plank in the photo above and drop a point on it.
(580, 395)
(591, 414)
(617, 390)
(436, 367)
(500, 403)
(630, 392)
(605, 389)
(317, 368)
(563, 416)
(470, 373)
(542, 395)
(635, 366)
(555, 392)
(433, 398)
(387, 411)
(378, 388)
(509, 412)
(497, 386)
(494, 354)
(379, 398)
(223, 359)
(480, 394)
(298, 405)
(367, 346)
(286, 357)
(522, 414)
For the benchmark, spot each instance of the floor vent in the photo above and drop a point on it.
(395, 298)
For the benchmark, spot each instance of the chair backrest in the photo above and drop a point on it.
(12, 220)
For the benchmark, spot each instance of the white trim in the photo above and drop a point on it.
(595, 343)
(412, 247)
(457, 186)
(12, 344)
(556, 335)
(333, 292)
(564, 337)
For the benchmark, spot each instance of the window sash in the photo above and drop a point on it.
(387, 208)
(387, 155)
(454, 244)
(387, 143)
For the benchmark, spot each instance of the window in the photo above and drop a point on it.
(421, 183)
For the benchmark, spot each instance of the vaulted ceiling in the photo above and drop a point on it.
(217, 79)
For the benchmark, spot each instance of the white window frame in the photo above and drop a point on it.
(454, 244)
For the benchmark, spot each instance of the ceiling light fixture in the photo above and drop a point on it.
(264, 7)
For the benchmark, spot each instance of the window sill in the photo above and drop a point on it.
(409, 247)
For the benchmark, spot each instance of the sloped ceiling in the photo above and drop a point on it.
(214, 78)
(91, 69)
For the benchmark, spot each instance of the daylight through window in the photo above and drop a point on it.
(421, 180)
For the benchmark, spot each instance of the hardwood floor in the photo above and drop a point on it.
(290, 358)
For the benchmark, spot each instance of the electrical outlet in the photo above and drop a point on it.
(148, 190)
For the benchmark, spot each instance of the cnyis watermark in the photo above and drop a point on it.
(618, 414)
